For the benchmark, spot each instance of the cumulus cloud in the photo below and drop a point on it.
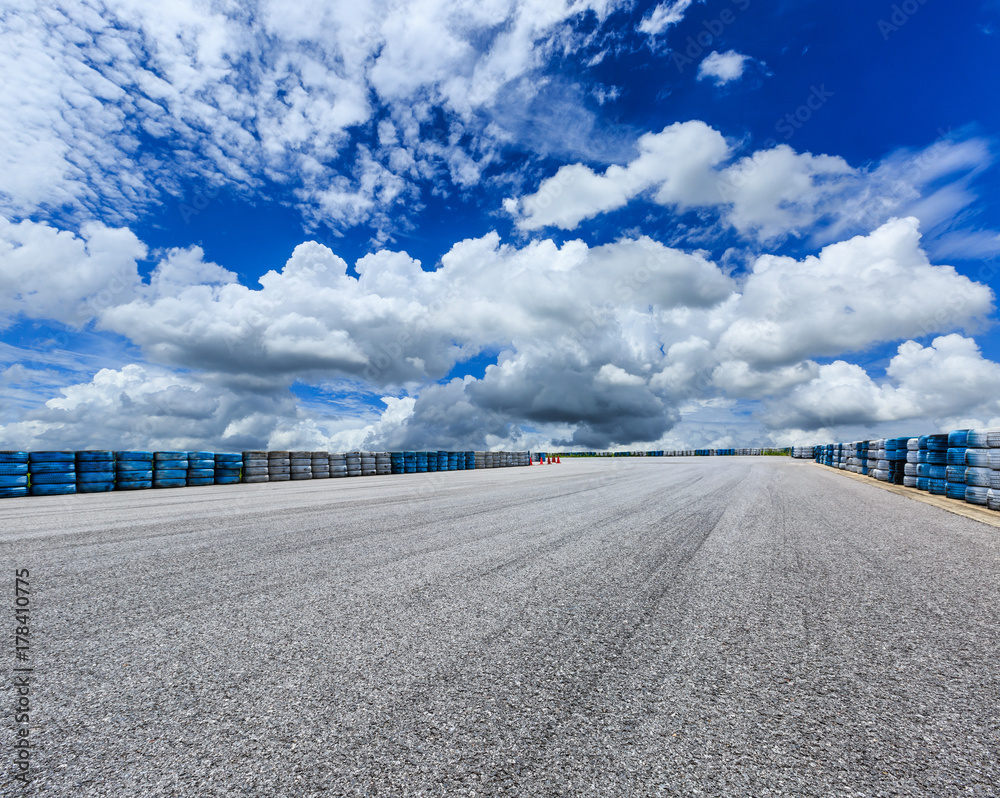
(46, 273)
(869, 289)
(722, 67)
(772, 193)
(931, 387)
(594, 346)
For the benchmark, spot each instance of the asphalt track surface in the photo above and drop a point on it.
(636, 627)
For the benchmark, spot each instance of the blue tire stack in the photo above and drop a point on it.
(410, 462)
(398, 462)
(470, 461)
(170, 469)
(228, 467)
(133, 470)
(420, 458)
(937, 458)
(13, 474)
(52, 473)
(956, 468)
(923, 478)
(201, 468)
(95, 472)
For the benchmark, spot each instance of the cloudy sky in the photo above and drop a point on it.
(464, 224)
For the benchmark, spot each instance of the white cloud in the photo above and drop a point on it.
(930, 388)
(722, 67)
(234, 98)
(595, 346)
(772, 193)
(678, 162)
(664, 16)
(47, 273)
(874, 288)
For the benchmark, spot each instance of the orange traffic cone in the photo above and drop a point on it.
(559, 460)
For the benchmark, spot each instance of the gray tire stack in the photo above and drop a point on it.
(383, 463)
(480, 459)
(872, 458)
(910, 466)
(300, 465)
(320, 465)
(338, 465)
(993, 458)
(354, 464)
(255, 466)
(367, 464)
(279, 466)
(882, 463)
(978, 475)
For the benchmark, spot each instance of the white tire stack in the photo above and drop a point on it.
(354, 464)
(338, 465)
(993, 461)
(383, 463)
(480, 460)
(910, 467)
(368, 464)
(255, 466)
(278, 466)
(320, 465)
(300, 465)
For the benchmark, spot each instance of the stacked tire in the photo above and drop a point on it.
(937, 459)
(993, 495)
(201, 468)
(320, 465)
(278, 466)
(133, 470)
(170, 469)
(470, 461)
(13, 474)
(228, 466)
(978, 474)
(338, 465)
(95, 471)
(956, 467)
(255, 467)
(397, 460)
(912, 460)
(300, 465)
(354, 464)
(383, 463)
(923, 477)
(51, 473)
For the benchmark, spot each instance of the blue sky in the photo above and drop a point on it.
(511, 224)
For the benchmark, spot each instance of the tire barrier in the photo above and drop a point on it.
(51, 473)
(300, 465)
(320, 465)
(98, 471)
(228, 468)
(963, 464)
(255, 466)
(95, 471)
(13, 474)
(278, 466)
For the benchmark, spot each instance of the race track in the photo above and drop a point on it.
(631, 627)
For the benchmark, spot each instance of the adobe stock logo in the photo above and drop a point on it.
(901, 14)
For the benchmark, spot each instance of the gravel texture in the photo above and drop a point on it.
(632, 627)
